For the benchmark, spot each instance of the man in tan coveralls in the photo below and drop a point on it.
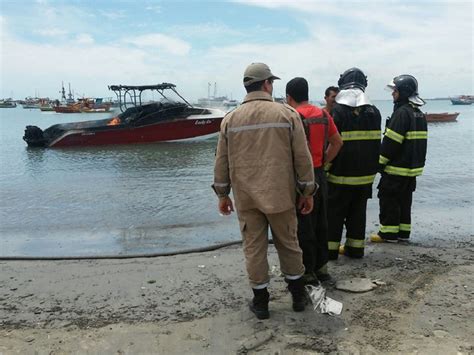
(263, 155)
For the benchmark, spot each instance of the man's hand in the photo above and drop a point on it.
(225, 205)
(305, 204)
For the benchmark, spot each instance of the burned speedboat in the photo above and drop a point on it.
(165, 120)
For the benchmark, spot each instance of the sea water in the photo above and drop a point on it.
(155, 198)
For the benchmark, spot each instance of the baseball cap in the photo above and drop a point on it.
(257, 72)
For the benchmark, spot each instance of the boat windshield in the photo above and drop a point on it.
(134, 96)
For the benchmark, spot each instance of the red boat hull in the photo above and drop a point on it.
(158, 132)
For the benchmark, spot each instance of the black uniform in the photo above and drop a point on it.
(351, 175)
(402, 158)
(313, 227)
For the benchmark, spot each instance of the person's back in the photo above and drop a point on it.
(352, 172)
(324, 142)
(357, 161)
(259, 138)
(262, 155)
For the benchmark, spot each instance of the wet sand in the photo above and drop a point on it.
(197, 304)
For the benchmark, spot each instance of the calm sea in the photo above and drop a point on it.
(157, 197)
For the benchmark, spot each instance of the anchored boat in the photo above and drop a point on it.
(441, 117)
(165, 120)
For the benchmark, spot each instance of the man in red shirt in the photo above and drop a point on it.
(324, 142)
(330, 97)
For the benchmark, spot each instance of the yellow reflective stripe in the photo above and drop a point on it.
(405, 227)
(393, 170)
(327, 166)
(333, 245)
(351, 180)
(394, 135)
(360, 135)
(355, 243)
(383, 160)
(416, 135)
(389, 229)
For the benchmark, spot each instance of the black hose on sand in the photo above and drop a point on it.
(128, 256)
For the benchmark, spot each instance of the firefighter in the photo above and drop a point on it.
(352, 172)
(263, 156)
(324, 142)
(402, 158)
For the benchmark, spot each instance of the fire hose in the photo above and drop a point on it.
(125, 256)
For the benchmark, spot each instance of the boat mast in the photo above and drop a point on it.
(63, 92)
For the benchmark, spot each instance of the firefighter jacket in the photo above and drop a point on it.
(357, 162)
(403, 150)
(263, 156)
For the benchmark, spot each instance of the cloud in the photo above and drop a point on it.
(84, 38)
(434, 43)
(167, 43)
(113, 15)
(155, 8)
(51, 32)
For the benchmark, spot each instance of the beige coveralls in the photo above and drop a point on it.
(263, 155)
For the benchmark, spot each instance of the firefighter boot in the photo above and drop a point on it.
(259, 303)
(296, 288)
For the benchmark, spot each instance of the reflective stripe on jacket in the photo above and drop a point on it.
(263, 155)
(403, 151)
(357, 162)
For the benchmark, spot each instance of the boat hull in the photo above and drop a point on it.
(442, 117)
(158, 132)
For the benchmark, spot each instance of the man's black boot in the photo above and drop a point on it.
(259, 303)
(298, 293)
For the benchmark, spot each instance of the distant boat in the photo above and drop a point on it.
(462, 100)
(166, 120)
(7, 103)
(441, 117)
(68, 108)
(31, 105)
(46, 108)
(216, 101)
(94, 105)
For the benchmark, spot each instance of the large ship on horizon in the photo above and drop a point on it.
(216, 101)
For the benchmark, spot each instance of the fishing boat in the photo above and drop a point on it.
(96, 105)
(462, 100)
(8, 103)
(441, 117)
(165, 120)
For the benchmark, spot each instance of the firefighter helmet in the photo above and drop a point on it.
(352, 78)
(407, 87)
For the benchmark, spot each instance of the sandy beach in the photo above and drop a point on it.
(197, 304)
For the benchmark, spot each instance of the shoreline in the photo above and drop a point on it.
(197, 303)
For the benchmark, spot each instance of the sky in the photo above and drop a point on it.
(93, 44)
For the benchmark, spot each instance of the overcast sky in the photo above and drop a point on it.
(92, 44)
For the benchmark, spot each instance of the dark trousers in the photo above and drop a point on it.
(395, 199)
(313, 228)
(347, 205)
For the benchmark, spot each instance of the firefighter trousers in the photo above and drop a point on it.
(313, 229)
(347, 206)
(395, 200)
(254, 229)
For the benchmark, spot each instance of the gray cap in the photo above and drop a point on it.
(257, 72)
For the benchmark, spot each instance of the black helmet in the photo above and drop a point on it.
(407, 87)
(352, 78)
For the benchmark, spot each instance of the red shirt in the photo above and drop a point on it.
(316, 131)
